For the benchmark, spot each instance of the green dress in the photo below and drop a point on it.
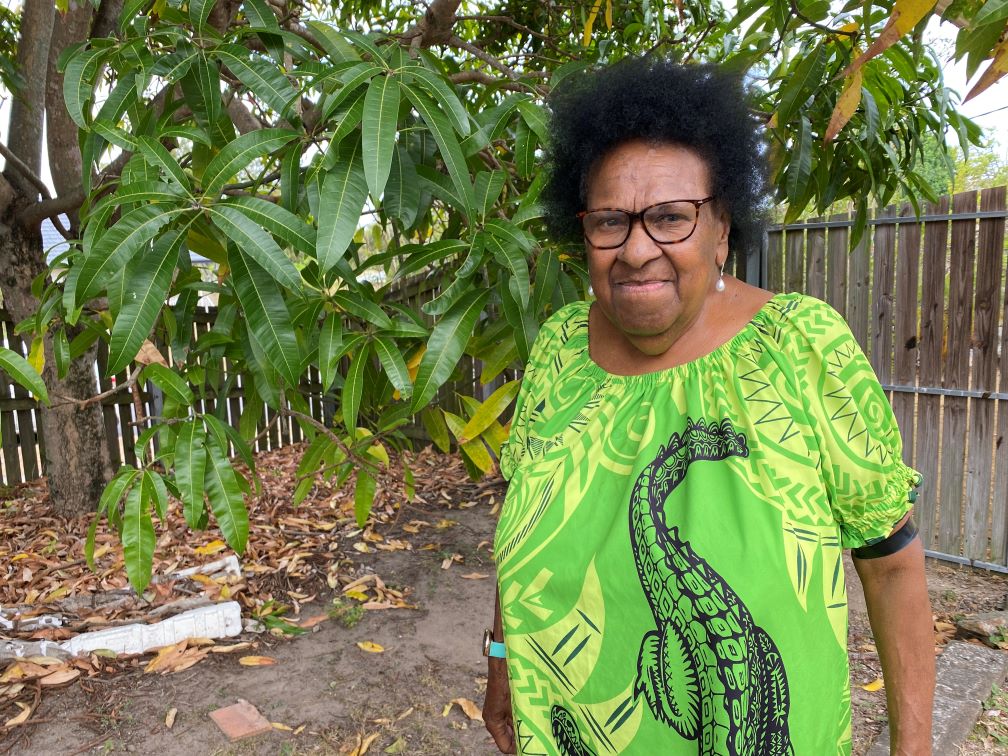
(669, 551)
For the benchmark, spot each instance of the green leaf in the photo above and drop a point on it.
(489, 410)
(333, 42)
(190, 470)
(156, 492)
(421, 256)
(309, 467)
(261, 77)
(524, 150)
(445, 346)
(201, 88)
(61, 353)
(474, 451)
(353, 78)
(394, 364)
(344, 193)
(138, 538)
(451, 152)
(223, 433)
(378, 131)
(290, 181)
(266, 314)
(108, 503)
(535, 116)
(362, 308)
(991, 11)
(444, 95)
(364, 493)
(239, 153)
(113, 251)
(513, 259)
(547, 268)
(79, 80)
(147, 191)
(434, 423)
(402, 190)
(169, 381)
(199, 12)
(353, 388)
(146, 292)
(519, 318)
(224, 493)
(800, 168)
(18, 368)
(257, 244)
(277, 220)
(330, 341)
(488, 189)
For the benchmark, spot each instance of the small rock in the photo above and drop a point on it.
(985, 624)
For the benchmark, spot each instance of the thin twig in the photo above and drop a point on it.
(821, 27)
(288, 412)
(82, 403)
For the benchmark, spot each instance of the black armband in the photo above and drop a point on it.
(897, 541)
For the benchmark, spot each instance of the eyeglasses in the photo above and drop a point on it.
(665, 222)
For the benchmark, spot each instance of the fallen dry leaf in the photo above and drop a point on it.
(169, 719)
(312, 621)
(21, 718)
(475, 576)
(370, 647)
(469, 708)
(874, 685)
(363, 744)
(257, 661)
(282, 726)
(244, 645)
(60, 677)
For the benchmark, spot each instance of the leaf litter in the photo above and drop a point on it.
(48, 594)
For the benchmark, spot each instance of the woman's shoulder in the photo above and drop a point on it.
(564, 326)
(795, 319)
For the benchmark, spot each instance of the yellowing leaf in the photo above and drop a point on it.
(906, 14)
(586, 39)
(489, 411)
(377, 450)
(21, 718)
(370, 647)
(358, 595)
(608, 14)
(998, 68)
(211, 548)
(36, 355)
(282, 726)
(874, 685)
(257, 661)
(846, 105)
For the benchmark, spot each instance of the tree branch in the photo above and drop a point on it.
(435, 28)
(243, 118)
(481, 77)
(490, 60)
(16, 163)
(28, 108)
(82, 403)
(321, 427)
(106, 19)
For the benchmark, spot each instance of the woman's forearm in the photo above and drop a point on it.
(900, 614)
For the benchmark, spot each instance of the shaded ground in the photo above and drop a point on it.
(327, 695)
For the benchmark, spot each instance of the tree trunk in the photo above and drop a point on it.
(76, 461)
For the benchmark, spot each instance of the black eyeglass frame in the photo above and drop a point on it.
(640, 216)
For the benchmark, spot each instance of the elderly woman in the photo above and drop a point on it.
(688, 458)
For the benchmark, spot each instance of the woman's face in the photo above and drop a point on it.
(653, 292)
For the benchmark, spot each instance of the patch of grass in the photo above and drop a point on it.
(991, 729)
(346, 613)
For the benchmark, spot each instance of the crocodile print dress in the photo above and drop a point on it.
(669, 551)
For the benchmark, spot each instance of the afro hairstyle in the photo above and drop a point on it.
(700, 107)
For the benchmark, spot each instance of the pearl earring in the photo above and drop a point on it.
(720, 285)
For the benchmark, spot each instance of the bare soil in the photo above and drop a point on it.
(327, 695)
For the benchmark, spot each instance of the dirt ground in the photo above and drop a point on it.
(327, 695)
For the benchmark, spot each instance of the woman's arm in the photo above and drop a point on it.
(900, 614)
(497, 706)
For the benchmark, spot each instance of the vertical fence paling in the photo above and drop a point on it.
(883, 266)
(932, 330)
(992, 242)
(836, 265)
(989, 262)
(956, 356)
(905, 338)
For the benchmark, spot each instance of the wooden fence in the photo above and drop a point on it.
(926, 300)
